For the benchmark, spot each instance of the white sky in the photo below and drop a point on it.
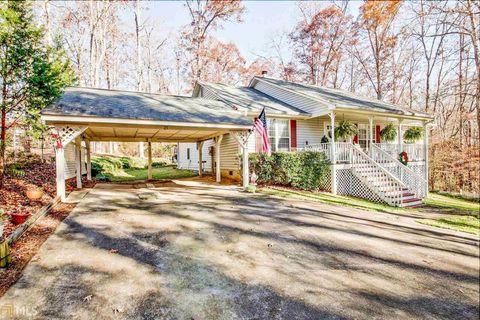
(262, 21)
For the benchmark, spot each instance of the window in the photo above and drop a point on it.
(279, 133)
(188, 153)
(362, 135)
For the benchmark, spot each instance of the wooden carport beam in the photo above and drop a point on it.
(89, 159)
(218, 142)
(242, 140)
(78, 161)
(65, 135)
(200, 158)
(149, 151)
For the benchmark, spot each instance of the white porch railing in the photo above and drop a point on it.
(415, 183)
(415, 152)
(342, 151)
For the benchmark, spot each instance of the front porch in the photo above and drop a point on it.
(364, 166)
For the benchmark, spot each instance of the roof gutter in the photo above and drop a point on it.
(62, 119)
(384, 114)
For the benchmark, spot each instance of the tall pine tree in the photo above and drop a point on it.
(32, 74)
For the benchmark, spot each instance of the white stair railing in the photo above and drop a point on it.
(415, 183)
(389, 188)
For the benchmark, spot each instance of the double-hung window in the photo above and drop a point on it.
(279, 133)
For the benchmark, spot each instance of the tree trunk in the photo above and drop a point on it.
(139, 48)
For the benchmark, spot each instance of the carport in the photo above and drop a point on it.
(83, 115)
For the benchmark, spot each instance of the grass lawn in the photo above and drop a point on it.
(441, 201)
(470, 224)
(330, 199)
(158, 174)
(460, 215)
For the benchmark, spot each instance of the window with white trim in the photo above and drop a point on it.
(279, 134)
(362, 135)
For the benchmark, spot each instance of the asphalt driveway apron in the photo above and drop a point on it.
(192, 250)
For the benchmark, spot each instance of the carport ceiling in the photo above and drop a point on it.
(112, 115)
(163, 133)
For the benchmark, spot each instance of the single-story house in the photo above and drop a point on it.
(301, 117)
(216, 126)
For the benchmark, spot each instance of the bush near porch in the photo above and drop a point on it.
(303, 170)
(118, 169)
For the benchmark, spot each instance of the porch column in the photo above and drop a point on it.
(218, 142)
(400, 137)
(425, 155)
(149, 151)
(88, 158)
(333, 157)
(78, 161)
(60, 172)
(245, 169)
(370, 132)
(200, 158)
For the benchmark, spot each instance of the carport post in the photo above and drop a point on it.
(245, 169)
(60, 172)
(200, 158)
(88, 158)
(218, 142)
(150, 172)
(78, 161)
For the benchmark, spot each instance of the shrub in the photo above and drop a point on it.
(304, 170)
(161, 162)
(102, 165)
(133, 163)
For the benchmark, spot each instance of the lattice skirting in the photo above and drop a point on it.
(349, 185)
(418, 169)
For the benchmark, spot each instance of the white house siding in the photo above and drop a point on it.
(192, 164)
(252, 142)
(70, 166)
(229, 151)
(69, 152)
(296, 100)
(310, 131)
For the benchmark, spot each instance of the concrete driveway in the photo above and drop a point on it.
(191, 250)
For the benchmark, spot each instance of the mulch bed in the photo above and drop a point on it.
(12, 195)
(14, 200)
(27, 246)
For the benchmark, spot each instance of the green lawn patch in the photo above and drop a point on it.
(163, 173)
(466, 218)
(470, 224)
(329, 198)
(446, 202)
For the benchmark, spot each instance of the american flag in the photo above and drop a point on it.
(261, 128)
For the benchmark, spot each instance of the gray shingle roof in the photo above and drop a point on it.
(251, 99)
(343, 99)
(92, 102)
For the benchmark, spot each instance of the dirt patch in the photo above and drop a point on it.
(27, 246)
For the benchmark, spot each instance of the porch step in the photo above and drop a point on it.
(411, 203)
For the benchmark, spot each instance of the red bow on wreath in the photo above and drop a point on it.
(403, 158)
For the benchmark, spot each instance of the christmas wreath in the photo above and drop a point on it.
(403, 158)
